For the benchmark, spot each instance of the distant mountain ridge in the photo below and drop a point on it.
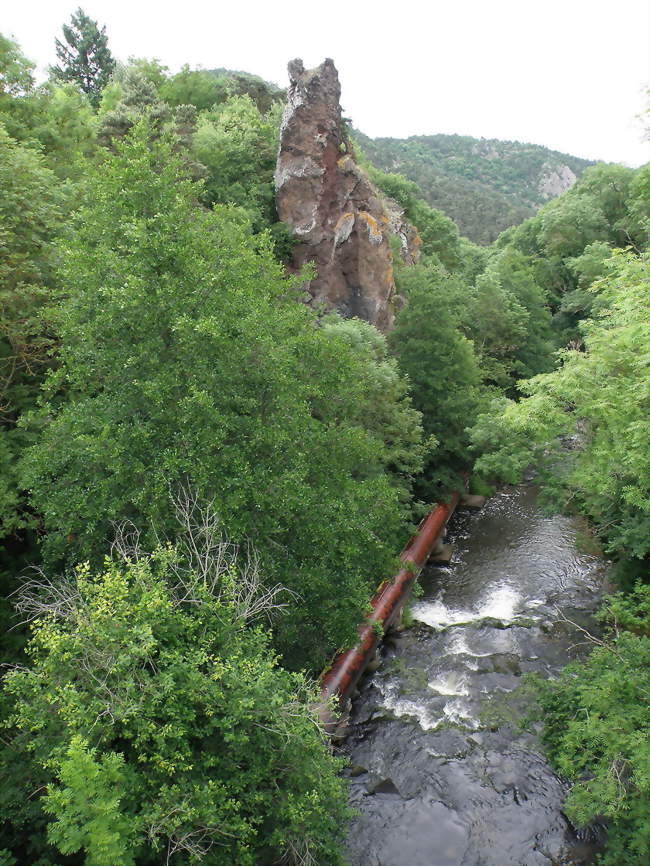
(485, 185)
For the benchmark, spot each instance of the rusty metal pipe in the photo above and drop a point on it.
(342, 676)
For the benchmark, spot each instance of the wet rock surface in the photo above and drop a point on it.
(341, 222)
(440, 776)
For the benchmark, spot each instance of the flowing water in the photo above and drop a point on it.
(439, 777)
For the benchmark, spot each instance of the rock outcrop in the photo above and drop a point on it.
(340, 220)
(554, 180)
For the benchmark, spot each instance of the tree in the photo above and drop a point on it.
(596, 721)
(497, 323)
(18, 100)
(196, 87)
(378, 400)
(438, 233)
(516, 275)
(571, 222)
(16, 72)
(599, 396)
(239, 146)
(135, 99)
(85, 57)
(640, 204)
(67, 131)
(442, 368)
(30, 217)
(156, 721)
(186, 357)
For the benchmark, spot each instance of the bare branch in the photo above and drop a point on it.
(40, 596)
(126, 543)
(209, 561)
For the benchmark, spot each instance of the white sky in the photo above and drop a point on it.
(568, 74)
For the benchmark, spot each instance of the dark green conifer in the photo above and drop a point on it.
(85, 57)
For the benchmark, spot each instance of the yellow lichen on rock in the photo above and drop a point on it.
(375, 234)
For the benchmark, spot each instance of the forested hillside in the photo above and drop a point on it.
(484, 185)
(204, 477)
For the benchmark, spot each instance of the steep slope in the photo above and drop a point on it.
(485, 185)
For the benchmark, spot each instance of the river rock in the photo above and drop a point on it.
(442, 556)
(384, 786)
(506, 663)
(341, 222)
(472, 501)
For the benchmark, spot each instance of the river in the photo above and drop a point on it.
(438, 776)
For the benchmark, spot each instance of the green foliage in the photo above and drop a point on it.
(597, 730)
(569, 223)
(379, 401)
(473, 260)
(571, 237)
(85, 59)
(608, 188)
(16, 72)
(600, 396)
(629, 611)
(479, 486)
(233, 146)
(58, 121)
(153, 70)
(585, 269)
(66, 130)
(442, 368)
(206, 89)
(639, 204)
(158, 722)
(16, 88)
(131, 98)
(498, 325)
(239, 146)
(196, 87)
(266, 95)
(530, 352)
(30, 217)
(185, 358)
(438, 233)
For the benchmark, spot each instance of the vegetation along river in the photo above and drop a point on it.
(437, 778)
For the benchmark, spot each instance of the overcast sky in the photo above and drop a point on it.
(568, 74)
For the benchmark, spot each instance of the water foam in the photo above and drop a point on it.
(500, 603)
(451, 684)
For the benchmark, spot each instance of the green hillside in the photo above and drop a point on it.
(485, 185)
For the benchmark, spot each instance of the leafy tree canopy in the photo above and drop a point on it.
(185, 356)
(16, 72)
(597, 730)
(154, 721)
(30, 217)
(601, 397)
(442, 368)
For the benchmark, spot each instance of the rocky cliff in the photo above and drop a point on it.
(340, 220)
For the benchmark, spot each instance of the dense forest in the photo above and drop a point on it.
(203, 480)
(484, 185)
